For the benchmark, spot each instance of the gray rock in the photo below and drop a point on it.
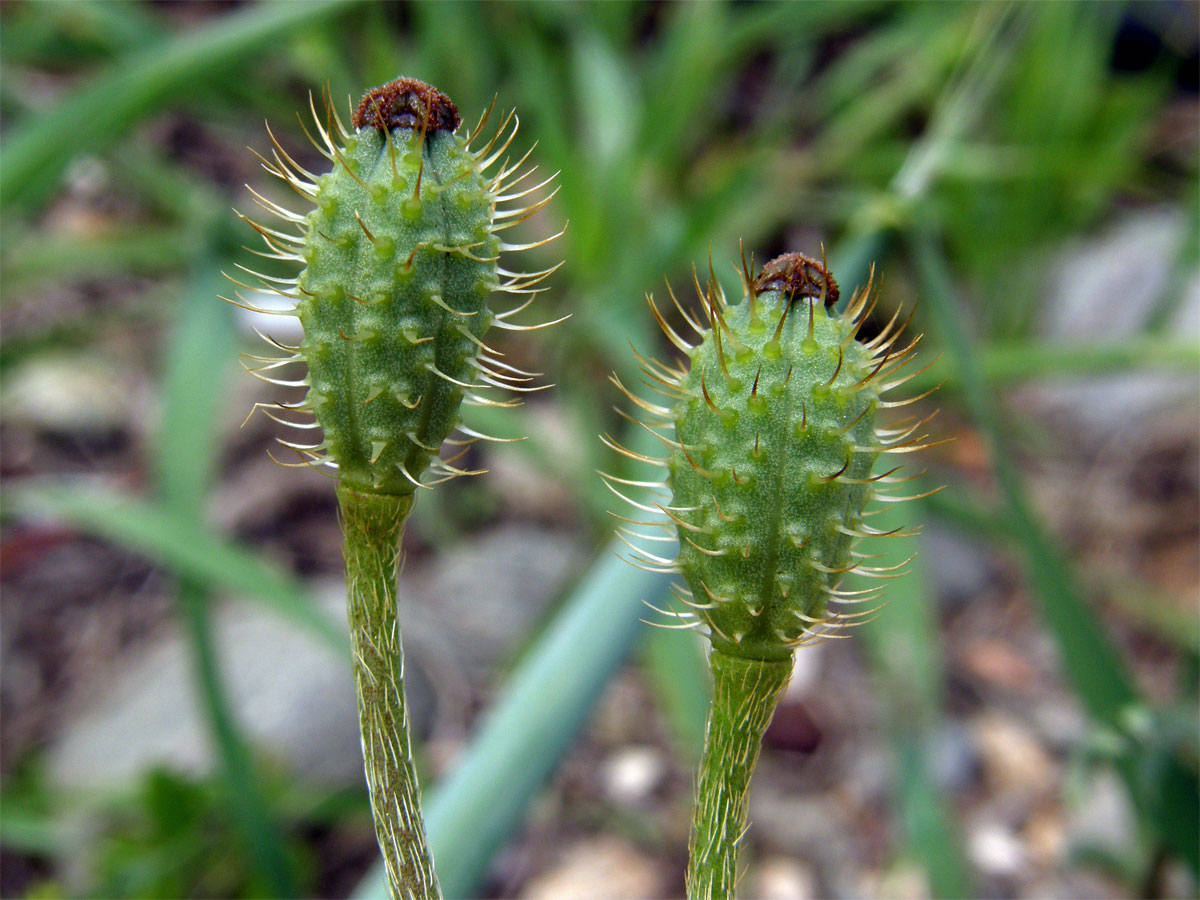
(1103, 816)
(958, 566)
(953, 761)
(294, 697)
(1106, 290)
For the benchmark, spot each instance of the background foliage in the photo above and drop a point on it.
(963, 148)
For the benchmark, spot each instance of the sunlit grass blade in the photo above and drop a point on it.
(95, 116)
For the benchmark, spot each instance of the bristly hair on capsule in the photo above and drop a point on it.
(737, 484)
(365, 222)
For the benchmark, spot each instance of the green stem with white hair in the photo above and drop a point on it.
(745, 694)
(372, 525)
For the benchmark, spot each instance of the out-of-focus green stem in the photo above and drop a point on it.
(245, 794)
(372, 525)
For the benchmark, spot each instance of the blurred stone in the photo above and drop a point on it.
(600, 867)
(1105, 290)
(631, 774)
(525, 486)
(1014, 762)
(293, 696)
(1061, 722)
(275, 675)
(996, 850)
(1103, 817)
(782, 821)
(1045, 836)
(781, 878)
(903, 881)
(998, 662)
(958, 566)
(874, 773)
(1077, 883)
(952, 758)
(491, 590)
(68, 394)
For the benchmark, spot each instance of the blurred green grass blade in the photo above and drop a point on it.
(95, 116)
(179, 545)
(1091, 662)
(252, 813)
(59, 32)
(678, 674)
(608, 101)
(904, 648)
(48, 258)
(903, 639)
(196, 361)
(197, 358)
(480, 803)
(1005, 362)
(1172, 793)
(931, 834)
(458, 49)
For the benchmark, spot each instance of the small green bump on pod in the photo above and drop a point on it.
(411, 209)
(385, 247)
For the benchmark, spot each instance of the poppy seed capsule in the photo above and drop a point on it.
(770, 465)
(400, 256)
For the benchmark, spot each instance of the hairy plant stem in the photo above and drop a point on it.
(745, 694)
(372, 525)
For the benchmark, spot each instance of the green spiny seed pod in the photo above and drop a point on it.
(770, 465)
(772, 449)
(400, 255)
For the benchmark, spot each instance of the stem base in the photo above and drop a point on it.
(372, 525)
(745, 694)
